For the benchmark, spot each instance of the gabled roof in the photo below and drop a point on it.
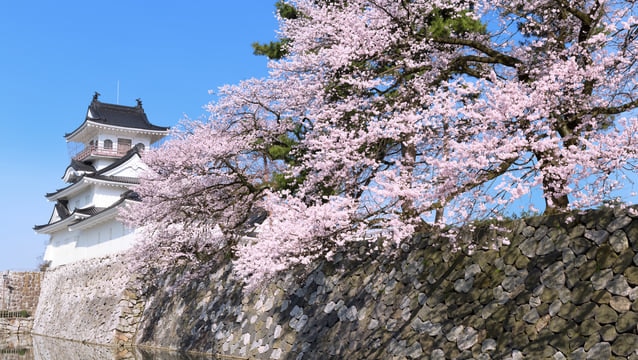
(117, 116)
(78, 216)
(100, 175)
(76, 170)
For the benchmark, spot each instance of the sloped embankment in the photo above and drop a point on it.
(565, 287)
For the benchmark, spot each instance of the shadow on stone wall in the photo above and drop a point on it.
(565, 287)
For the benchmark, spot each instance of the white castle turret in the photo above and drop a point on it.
(84, 221)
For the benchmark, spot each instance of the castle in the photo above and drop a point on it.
(84, 222)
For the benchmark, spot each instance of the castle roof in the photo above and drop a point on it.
(97, 176)
(115, 117)
(81, 217)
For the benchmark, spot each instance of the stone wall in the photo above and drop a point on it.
(565, 287)
(16, 347)
(15, 325)
(19, 290)
(84, 301)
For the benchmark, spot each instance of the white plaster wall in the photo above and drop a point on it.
(61, 246)
(145, 140)
(132, 168)
(111, 237)
(105, 196)
(102, 163)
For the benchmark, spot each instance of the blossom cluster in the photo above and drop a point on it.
(396, 116)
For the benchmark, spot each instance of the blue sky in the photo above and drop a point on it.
(55, 54)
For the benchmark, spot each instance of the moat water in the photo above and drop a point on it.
(32, 347)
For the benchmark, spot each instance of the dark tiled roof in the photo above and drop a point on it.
(132, 117)
(81, 166)
(61, 209)
(119, 179)
(92, 211)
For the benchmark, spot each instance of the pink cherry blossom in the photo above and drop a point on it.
(399, 125)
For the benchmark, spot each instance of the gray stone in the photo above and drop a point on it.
(472, 270)
(512, 282)
(415, 351)
(618, 286)
(619, 223)
(625, 344)
(528, 247)
(554, 277)
(421, 298)
(555, 306)
(463, 285)
(601, 279)
(535, 301)
(426, 327)
(437, 354)
(618, 241)
(296, 312)
(276, 354)
(488, 345)
(545, 246)
(559, 356)
(517, 355)
(329, 307)
(454, 333)
(600, 351)
(351, 314)
(597, 236)
(578, 354)
(531, 316)
(298, 324)
(467, 338)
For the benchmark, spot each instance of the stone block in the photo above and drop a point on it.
(627, 322)
(625, 344)
(599, 351)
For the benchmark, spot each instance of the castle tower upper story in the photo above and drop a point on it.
(109, 131)
(101, 173)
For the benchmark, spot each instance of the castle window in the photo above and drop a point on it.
(108, 144)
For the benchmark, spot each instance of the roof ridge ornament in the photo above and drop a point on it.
(96, 95)
(139, 102)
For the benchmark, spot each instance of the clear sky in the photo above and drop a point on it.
(55, 54)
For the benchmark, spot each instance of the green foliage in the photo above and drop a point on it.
(276, 49)
(18, 351)
(286, 11)
(273, 50)
(14, 314)
(445, 22)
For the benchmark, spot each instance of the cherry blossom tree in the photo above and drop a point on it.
(389, 116)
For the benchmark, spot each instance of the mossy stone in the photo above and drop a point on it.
(588, 269)
(589, 327)
(608, 333)
(606, 257)
(604, 314)
(627, 322)
(625, 344)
